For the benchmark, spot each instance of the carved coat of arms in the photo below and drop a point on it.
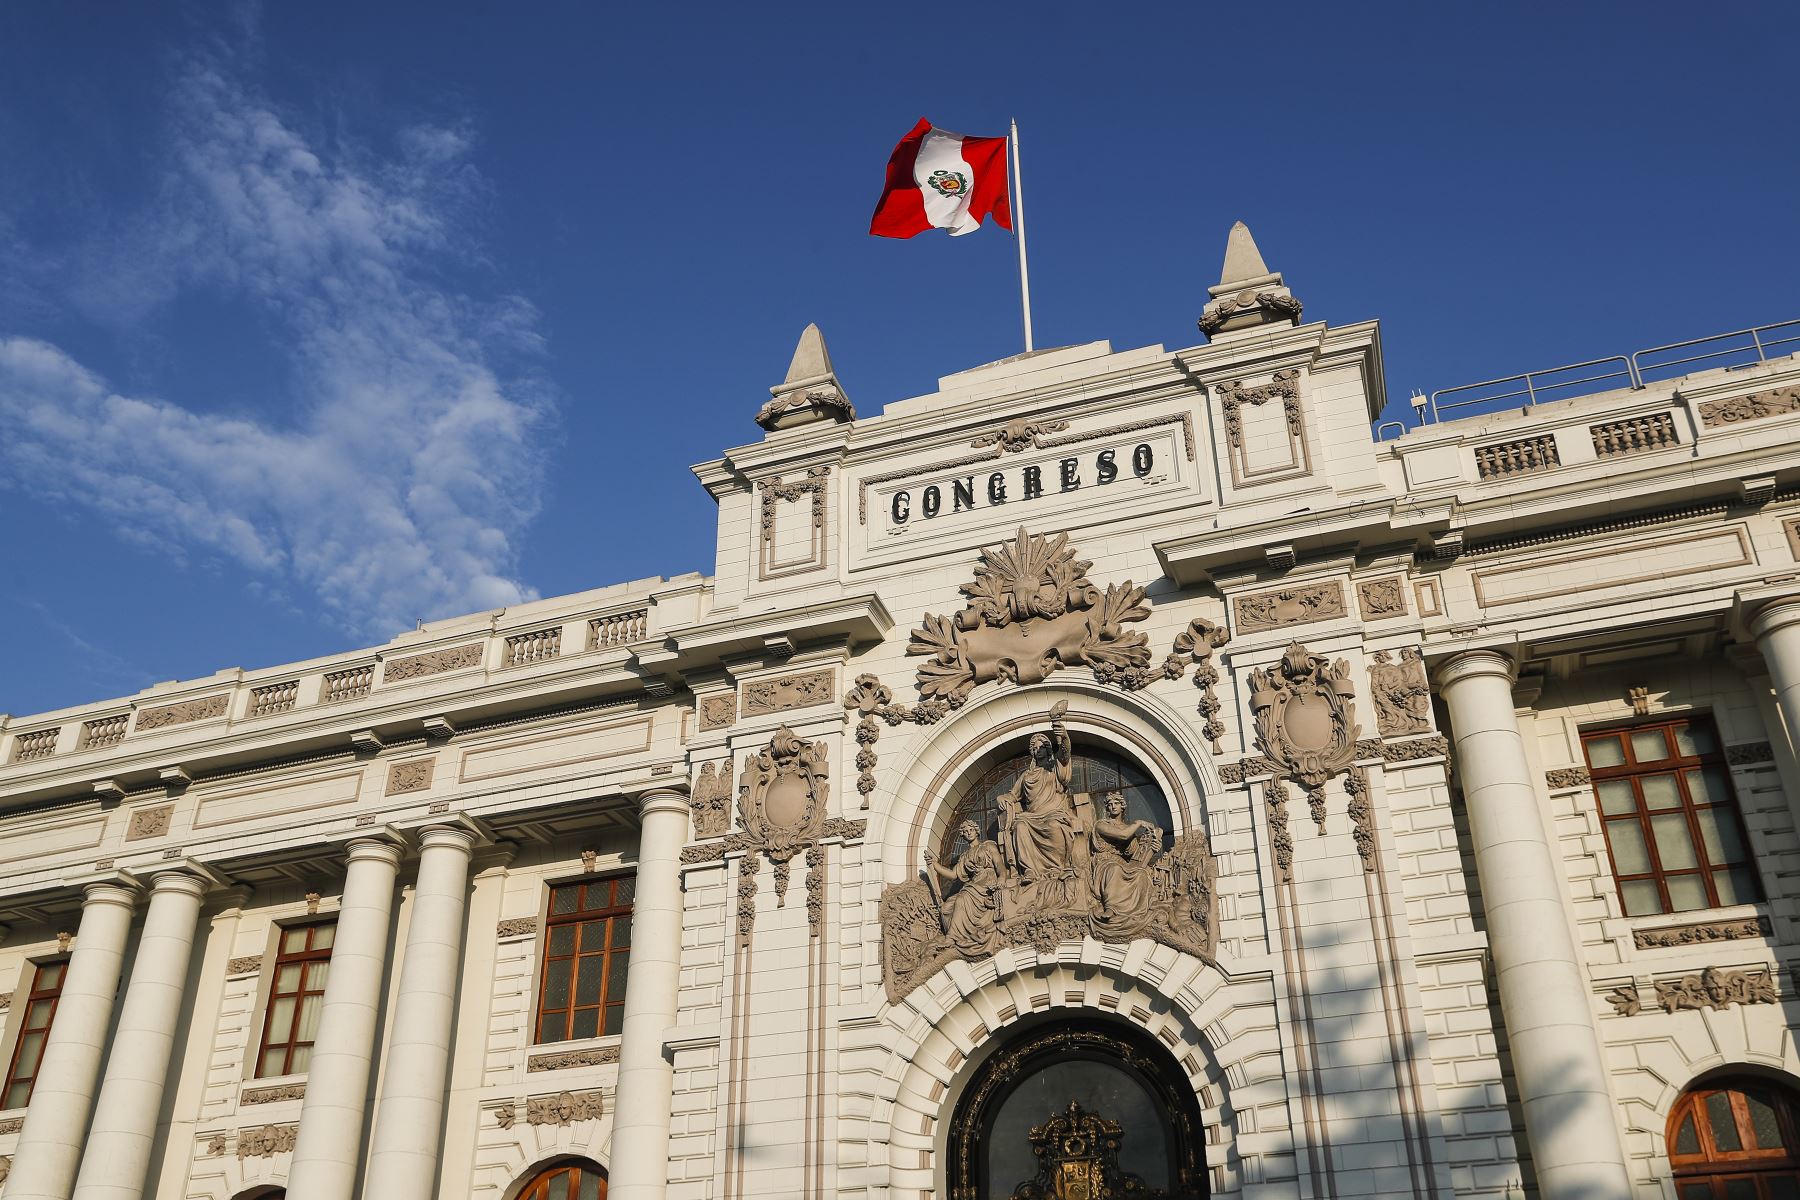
(1031, 611)
(781, 804)
(1304, 719)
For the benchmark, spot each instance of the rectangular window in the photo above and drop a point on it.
(302, 962)
(1671, 817)
(587, 945)
(40, 1010)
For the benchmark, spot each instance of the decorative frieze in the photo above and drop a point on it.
(516, 927)
(618, 629)
(414, 776)
(165, 715)
(1401, 692)
(1032, 611)
(1285, 386)
(1521, 456)
(1380, 598)
(539, 645)
(104, 731)
(39, 743)
(1702, 933)
(1746, 754)
(800, 690)
(249, 964)
(868, 697)
(274, 698)
(718, 712)
(1289, 606)
(1566, 778)
(1633, 435)
(11, 1125)
(274, 1095)
(266, 1141)
(564, 1108)
(149, 822)
(435, 662)
(711, 803)
(1018, 435)
(598, 1056)
(1716, 988)
(1753, 407)
(1043, 883)
(352, 683)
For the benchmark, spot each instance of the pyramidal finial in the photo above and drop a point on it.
(1242, 259)
(1248, 294)
(810, 392)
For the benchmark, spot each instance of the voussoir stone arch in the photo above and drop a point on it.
(1700, 1046)
(511, 1158)
(901, 1071)
(1136, 724)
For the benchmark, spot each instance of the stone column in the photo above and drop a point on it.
(639, 1169)
(327, 1149)
(49, 1149)
(404, 1149)
(1777, 630)
(116, 1161)
(1570, 1116)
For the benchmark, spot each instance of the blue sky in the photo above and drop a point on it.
(318, 318)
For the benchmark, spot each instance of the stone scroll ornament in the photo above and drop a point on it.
(1058, 866)
(782, 810)
(1031, 612)
(1306, 727)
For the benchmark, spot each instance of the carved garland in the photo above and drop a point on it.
(774, 490)
(1213, 318)
(1234, 395)
(1031, 612)
(1196, 644)
(868, 697)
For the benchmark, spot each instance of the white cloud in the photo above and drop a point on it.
(398, 485)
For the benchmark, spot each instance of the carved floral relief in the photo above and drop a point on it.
(1382, 597)
(788, 691)
(1290, 606)
(1031, 612)
(1717, 989)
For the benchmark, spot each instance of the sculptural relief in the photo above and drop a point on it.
(1305, 726)
(1401, 692)
(1057, 866)
(1031, 612)
(782, 810)
(1717, 989)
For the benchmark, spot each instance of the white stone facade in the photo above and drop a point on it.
(1422, 980)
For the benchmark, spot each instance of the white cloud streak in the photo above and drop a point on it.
(400, 483)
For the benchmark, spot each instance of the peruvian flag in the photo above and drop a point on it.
(942, 180)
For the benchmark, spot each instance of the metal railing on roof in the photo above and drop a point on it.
(1738, 348)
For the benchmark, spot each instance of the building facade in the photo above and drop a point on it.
(1115, 774)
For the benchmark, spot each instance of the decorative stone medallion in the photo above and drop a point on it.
(149, 823)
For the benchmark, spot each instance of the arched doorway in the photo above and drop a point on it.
(1084, 1107)
(571, 1179)
(1736, 1139)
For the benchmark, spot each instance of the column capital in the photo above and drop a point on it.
(1767, 616)
(179, 881)
(458, 836)
(1468, 664)
(374, 847)
(663, 799)
(121, 891)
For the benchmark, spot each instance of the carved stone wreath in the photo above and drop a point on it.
(1031, 612)
(1272, 303)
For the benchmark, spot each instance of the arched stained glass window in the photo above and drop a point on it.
(1736, 1139)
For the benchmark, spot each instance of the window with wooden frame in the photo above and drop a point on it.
(1735, 1139)
(587, 947)
(40, 1010)
(302, 962)
(1671, 818)
(578, 1180)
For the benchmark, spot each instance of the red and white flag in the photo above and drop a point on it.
(942, 180)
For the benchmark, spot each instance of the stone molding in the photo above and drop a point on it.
(516, 927)
(599, 1056)
(1289, 606)
(775, 491)
(1701, 933)
(435, 662)
(165, 715)
(801, 690)
(1284, 386)
(273, 1095)
(266, 1141)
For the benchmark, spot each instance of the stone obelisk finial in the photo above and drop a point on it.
(810, 392)
(1248, 294)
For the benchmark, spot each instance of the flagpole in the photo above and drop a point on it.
(1018, 216)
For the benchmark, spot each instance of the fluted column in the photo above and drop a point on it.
(116, 1161)
(1570, 1117)
(639, 1169)
(403, 1154)
(49, 1149)
(328, 1146)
